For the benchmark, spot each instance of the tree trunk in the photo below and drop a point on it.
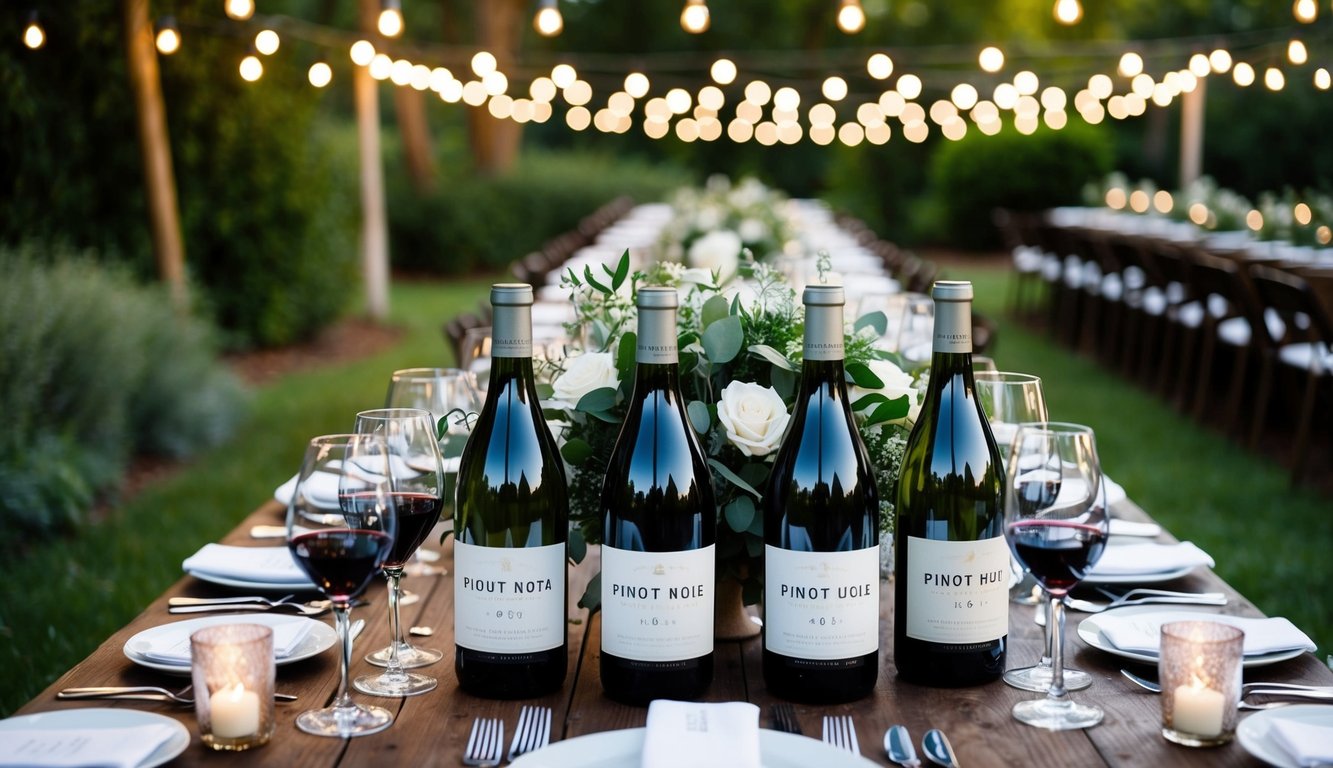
(155, 151)
(495, 142)
(374, 226)
(410, 105)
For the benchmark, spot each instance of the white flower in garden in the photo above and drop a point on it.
(695, 277)
(583, 374)
(897, 383)
(708, 218)
(718, 251)
(753, 230)
(754, 416)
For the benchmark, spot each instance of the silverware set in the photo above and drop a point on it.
(485, 744)
(1143, 596)
(142, 693)
(252, 603)
(840, 731)
(1284, 690)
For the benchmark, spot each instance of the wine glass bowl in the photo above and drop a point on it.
(341, 549)
(1056, 526)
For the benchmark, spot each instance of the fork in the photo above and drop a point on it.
(533, 731)
(1146, 597)
(784, 718)
(142, 693)
(485, 747)
(840, 731)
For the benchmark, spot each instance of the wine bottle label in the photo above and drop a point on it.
(511, 331)
(957, 591)
(821, 605)
(953, 326)
(823, 332)
(657, 606)
(657, 337)
(509, 599)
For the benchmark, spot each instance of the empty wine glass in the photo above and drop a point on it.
(474, 355)
(916, 331)
(412, 461)
(1056, 526)
(341, 549)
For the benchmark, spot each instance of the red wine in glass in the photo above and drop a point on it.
(1058, 553)
(341, 562)
(417, 514)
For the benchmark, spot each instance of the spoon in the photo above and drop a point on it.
(898, 746)
(937, 748)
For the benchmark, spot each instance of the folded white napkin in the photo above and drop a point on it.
(1149, 558)
(1306, 743)
(81, 747)
(701, 735)
(262, 564)
(321, 488)
(1142, 632)
(171, 645)
(1119, 527)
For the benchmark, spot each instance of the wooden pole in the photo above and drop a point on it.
(374, 220)
(155, 151)
(1191, 133)
(495, 143)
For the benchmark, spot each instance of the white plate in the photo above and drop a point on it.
(256, 586)
(1140, 578)
(98, 719)
(623, 749)
(1090, 632)
(1253, 731)
(320, 638)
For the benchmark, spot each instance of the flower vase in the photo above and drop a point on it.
(731, 619)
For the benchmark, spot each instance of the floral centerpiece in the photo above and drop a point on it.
(740, 357)
(711, 226)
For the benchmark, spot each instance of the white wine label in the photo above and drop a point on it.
(656, 343)
(957, 591)
(509, 599)
(511, 331)
(657, 606)
(823, 333)
(821, 605)
(953, 326)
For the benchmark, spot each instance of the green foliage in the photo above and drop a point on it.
(972, 177)
(97, 370)
(469, 223)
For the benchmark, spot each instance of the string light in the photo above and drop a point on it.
(909, 86)
(1100, 86)
(1199, 65)
(1302, 214)
(1131, 64)
(563, 75)
(991, 59)
(1297, 53)
(362, 53)
(548, 22)
(34, 36)
(320, 74)
(723, 71)
(483, 63)
(964, 95)
(240, 9)
(1274, 79)
(391, 18)
(834, 88)
(1220, 60)
(1067, 12)
(694, 17)
(880, 66)
(251, 67)
(1305, 11)
(381, 66)
(787, 99)
(1243, 74)
(636, 85)
(1322, 79)
(267, 42)
(758, 92)
(168, 39)
(851, 17)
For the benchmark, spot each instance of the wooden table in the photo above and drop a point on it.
(431, 729)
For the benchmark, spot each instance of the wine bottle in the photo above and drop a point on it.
(659, 525)
(951, 615)
(511, 523)
(821, 532)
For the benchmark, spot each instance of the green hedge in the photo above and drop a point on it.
(471, 223)
(97, 370)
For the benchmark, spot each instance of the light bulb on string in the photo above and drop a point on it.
(362, 53)
(880, 66)
(34, 36)
(548, 22)
(723, 71)
(1305, 11)
(1297, 53)
(391, 18)
(1243, 74)
(267, 42)
(637, 85)
(240, 9)
(168, 38)
(1067, 12)
(694, 17)
(991, 59)
(320, 74)
(1322, 79)
(251, 68)
(1274, 79)
(1131, 64)
(851, 16)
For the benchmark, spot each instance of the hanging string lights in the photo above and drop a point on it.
(1067, 12)
(1305, 11)
(320, 74)
(168, 37)
(390, 22)
(851, 16)
(694, 17)
(34, 36)
(239, 9)
(548, 22)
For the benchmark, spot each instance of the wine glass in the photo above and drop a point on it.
(916, 331)
(474, 355)
(450, 394)
(1056, 525)
(412, 460)
(341, 549)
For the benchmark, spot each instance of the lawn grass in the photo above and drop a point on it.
(65, 597)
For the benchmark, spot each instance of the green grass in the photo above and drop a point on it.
(66, 597)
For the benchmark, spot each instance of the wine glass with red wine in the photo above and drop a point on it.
(341, 525)
(413, 463)
(1056, 525)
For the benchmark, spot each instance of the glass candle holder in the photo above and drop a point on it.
(1200, 671)
(233, 670)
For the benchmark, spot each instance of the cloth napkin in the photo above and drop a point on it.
(1121, 527)
(1148, 558)
(171, 645)
(260, 564)
(1306, 743)
(701, 735)
(1142, 632)
(81, 747)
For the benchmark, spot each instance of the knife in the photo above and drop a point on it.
(898, 746)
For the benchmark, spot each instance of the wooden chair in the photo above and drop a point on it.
(1225, 306)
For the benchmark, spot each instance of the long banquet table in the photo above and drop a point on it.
(432, 729)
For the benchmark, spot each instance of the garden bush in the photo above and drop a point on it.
(972, 177)
(98, 369)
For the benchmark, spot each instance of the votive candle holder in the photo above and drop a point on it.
(233, 671)
(1200, 671)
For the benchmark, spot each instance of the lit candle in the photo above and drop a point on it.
(1199, 710)
(235, 712)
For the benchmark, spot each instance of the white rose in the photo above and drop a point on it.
(583, 374)
(753, 230)
(718, 251)
(897, 383)
(754, 416)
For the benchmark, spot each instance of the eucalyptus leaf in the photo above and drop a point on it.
(740, 513)
(600, 399)
(756, 526)
(773, 356)
(592, 596)
(723, 340)
(876, 321)
(732, 477)
(622, 271)
(874, 398)
(576, 450)
(784, 382)
(587, 275)
(699, 416)
(577, 546)
(862, 376)
(715, 309)
(626, 355)
(892, 410)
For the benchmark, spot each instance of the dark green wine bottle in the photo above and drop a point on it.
(511, 523)
(660, 525)
(821, 532)
(951, 616)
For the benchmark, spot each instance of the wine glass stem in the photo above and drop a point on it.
(1056, 626)
(394, 664)
(1049, 634)
(342, 612)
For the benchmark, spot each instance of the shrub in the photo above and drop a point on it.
(470, 223)
(972, 177)
(97, 370)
